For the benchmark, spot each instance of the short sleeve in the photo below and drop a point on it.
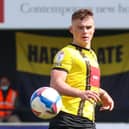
(63, 60)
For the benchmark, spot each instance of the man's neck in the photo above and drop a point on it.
(87, 46)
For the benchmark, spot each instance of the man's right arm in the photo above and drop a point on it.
(58, 78)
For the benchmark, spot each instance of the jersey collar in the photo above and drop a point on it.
(79, 47)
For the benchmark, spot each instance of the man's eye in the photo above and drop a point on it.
(81, 27)
(88, 27)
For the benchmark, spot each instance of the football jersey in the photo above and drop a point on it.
(83, 73)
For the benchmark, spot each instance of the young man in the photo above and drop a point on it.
(76, 76)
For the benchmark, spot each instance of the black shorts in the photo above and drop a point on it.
(68, 121)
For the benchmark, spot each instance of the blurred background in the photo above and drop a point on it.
(31, 32)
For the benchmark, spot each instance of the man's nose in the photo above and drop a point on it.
(85, 30)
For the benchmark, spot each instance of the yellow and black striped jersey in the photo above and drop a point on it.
(82, 70)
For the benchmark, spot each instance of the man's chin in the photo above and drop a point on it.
(85, 42)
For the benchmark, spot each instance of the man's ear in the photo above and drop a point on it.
(70, 30)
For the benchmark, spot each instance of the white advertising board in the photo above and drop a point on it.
(45, 125)
(51, 14)
(112, 126)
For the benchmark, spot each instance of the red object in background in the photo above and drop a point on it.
(1, 11)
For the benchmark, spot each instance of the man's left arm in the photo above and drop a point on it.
(106, 100)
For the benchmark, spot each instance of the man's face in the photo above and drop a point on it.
(4, 82)
(83, 31)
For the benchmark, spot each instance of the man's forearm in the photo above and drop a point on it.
(65, 89)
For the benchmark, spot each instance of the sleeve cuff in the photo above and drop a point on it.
(60, 69)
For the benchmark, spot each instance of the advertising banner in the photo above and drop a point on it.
(35, 53)
(48, 14)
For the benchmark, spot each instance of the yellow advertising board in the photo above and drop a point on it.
(35, 53)
(113, 53)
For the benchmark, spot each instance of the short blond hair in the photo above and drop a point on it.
(81, 14)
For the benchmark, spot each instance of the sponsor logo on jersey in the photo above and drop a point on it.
(59, 58)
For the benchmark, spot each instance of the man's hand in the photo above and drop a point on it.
(107, 101)
(90, 95)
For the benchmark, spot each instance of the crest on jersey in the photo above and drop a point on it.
(59, 58)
